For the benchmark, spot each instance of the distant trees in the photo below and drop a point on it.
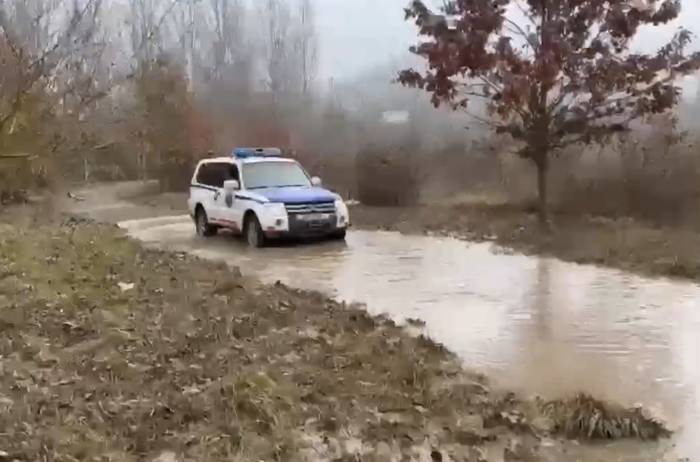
(552, 72)
(165, 104)
(153, 82)
(290, 43)
(306, 44)
(238, 71)
(50, 52)
(53, 75)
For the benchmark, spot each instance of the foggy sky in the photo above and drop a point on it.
(359, 34)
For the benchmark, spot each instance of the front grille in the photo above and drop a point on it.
(321, 207)
(302, 227)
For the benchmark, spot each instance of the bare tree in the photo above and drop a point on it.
(277, 19)
(39, 50)
(228, 33)
(307, 43)
(147, 19)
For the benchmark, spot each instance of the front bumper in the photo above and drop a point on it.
(299, 228)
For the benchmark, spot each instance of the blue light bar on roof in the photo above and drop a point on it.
(243, 153)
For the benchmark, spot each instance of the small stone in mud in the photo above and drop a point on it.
(415, 322)
(125, 286)
(468, 438)
(166, 457)
(473, 423)
(543, 424)
(383, 450)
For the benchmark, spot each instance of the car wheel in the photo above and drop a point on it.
(339, 235)
(202, 226)
(253, 232)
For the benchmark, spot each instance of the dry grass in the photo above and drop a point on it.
(660, 186)
(387, 178)
(584, 417)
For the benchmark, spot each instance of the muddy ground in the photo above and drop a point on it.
(111, 352)
(622, 243)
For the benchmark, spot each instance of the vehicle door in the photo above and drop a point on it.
(215, 179)
(230, 207)
(203, 190)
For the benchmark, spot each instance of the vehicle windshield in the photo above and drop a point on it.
(274, 175)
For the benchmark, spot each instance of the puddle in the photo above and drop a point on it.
(534, 325)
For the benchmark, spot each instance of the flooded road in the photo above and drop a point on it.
(535, 325)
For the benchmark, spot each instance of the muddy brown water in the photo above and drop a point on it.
(538, 326)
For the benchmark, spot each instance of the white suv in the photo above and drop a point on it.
(263, 195)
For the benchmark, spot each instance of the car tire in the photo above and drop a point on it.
(339, 235)
(253, 232)
(201, 224)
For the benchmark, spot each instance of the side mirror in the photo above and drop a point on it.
(232, 185)
(315, 181)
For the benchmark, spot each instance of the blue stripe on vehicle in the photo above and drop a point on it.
(297, 195)
(201, 186)
(248, 198)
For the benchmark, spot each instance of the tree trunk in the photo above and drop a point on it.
(542, 173)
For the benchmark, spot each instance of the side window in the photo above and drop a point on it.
(203, 174)
(214, 174)
(219, 174)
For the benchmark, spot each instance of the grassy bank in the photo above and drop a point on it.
(113, 352)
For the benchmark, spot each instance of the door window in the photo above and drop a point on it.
(203, 174)
(215, 173)
(223, 171)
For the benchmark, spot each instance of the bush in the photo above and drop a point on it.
(16, 177)
(387, 178)
(657, 184)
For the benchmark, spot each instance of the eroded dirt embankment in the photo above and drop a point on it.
(113, 352)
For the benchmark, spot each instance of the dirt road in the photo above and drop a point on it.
(536, 325)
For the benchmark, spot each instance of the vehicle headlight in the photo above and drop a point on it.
(275, 208)
(340, 207)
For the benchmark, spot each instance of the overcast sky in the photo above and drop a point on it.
(359, 34)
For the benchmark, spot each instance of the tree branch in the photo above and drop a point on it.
(37, 69)
(522, 33)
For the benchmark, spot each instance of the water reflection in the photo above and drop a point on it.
(540, 305)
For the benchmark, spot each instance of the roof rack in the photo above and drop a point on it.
(243, 153)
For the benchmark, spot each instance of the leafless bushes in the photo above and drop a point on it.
(644, 180)
(387, 177)
(651, 174)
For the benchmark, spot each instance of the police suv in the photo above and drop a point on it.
(259, 193)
